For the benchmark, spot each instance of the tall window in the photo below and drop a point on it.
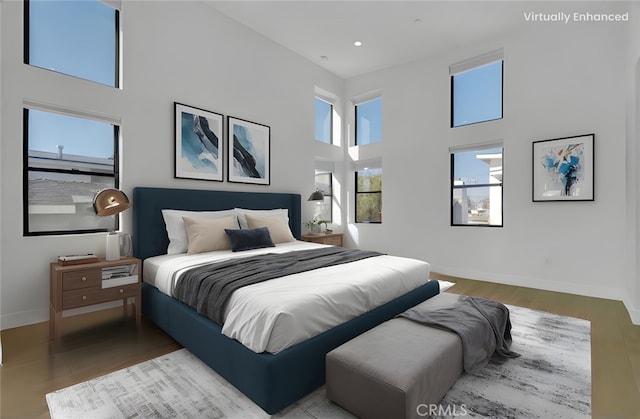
(324, 121)
(476, 90)
(476, 186)
(369, 122)
(78, 38)
(369, 195)
(324, 183)
(67, 161)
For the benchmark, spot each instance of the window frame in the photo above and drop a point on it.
(331, 110)
(27, 169)
(356, 193)
(355, 112)
(452, 76)
(117, 48)
(454, 187)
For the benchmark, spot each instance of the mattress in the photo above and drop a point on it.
(274, 315)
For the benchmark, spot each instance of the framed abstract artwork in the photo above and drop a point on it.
(249, 151)
(563, 169)
(199, 143)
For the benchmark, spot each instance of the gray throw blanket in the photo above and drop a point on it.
(483, 326)
(207, 288)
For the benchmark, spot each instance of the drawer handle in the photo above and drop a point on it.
(121, 291)
(84, 297)
(84, 279)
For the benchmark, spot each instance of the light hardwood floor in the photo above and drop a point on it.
(98, 343)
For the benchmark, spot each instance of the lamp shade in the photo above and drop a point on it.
(316, 196)
(110, 202)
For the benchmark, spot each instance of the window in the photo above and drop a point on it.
(476, 186)
(324, 183)
(476, 90)
(369, 122)
(78, 38)
(324, 121)
(369, 195)
(67, 161)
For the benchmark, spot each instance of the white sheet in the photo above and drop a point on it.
(273, 315)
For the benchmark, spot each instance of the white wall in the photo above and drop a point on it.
(632, 297)
(559, 80)
(1, 96)
(173, 51)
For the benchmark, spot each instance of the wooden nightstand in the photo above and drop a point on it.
(334, 239)
(74, 286)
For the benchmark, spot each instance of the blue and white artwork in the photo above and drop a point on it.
(563, 169)
(199, 143)
(249, 152)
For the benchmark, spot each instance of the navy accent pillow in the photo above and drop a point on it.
(249, 238)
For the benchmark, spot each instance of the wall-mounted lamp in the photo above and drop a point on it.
(316, 196)
(111, 202)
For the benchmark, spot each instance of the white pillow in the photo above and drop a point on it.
(277, 225)
(208, 234)
(241, 212)
(178, 241)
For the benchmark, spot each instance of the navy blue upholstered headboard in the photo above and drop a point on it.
(149, 231)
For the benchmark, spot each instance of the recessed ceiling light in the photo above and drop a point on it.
(358, 43)
(417, 20)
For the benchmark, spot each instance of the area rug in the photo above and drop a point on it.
(552, 379)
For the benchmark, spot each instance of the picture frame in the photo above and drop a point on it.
(248, 151)
(199, 143)
(563, 169)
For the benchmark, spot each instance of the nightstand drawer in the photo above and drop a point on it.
(333, 240)
(81, 279)
(95, 295)
(81, 297)
(124, 291)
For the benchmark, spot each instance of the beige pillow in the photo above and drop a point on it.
(277, 225)
(178, 240)
(242, 212)
(207, 234)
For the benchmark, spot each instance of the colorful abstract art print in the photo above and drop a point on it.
(199, 143)
(249, 150)
(563, 169)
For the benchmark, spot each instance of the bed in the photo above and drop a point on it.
(272, 380)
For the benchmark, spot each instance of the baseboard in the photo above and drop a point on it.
(634, 312)
(536, 283)
(24, 318)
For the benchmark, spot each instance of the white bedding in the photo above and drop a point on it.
(273, 315)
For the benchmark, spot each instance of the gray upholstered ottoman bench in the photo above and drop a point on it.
(395, 367)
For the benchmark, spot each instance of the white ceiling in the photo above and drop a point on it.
(392, 32)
